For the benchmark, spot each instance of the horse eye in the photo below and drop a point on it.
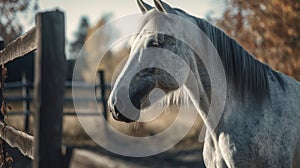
(153, 43)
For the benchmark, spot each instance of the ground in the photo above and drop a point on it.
(177, 157)
(186, 154)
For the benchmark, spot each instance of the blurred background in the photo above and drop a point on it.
(268, 29)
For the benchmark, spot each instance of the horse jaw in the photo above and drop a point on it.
(139, 91)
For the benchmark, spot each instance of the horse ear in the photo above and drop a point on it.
(163, 7)
(144, 7)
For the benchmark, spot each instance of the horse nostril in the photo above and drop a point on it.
(117, 115)
(119, 107)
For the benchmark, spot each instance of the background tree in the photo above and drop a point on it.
(268, 29)
(12, 12)
(111, 58)
(80, 37)
(91, 49)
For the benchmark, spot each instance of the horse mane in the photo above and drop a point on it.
(243, 70)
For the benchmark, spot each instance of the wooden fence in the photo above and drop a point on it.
(47, 38)
(26, 98)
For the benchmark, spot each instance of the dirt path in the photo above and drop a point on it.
(174, 158)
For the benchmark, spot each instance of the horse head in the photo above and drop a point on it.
(152, 52)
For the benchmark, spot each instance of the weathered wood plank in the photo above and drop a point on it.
(13, 137)
(50, 74)
(19, 47)
(18, 139)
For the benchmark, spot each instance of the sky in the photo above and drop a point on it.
(94, 9)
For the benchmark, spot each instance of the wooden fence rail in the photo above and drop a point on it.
(18, 139)
(13, 137)
(23, 45)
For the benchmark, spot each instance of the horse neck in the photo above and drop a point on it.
(244, 73)
(200, 94)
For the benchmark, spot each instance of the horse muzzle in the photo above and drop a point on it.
(126, 110)
(117, 115)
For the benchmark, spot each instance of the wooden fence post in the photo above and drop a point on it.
(26, 103)
(1, 43)
(2, 117)
(103, 93)
(1, 48)
(50, 71)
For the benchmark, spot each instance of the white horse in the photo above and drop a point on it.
(260, 123)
